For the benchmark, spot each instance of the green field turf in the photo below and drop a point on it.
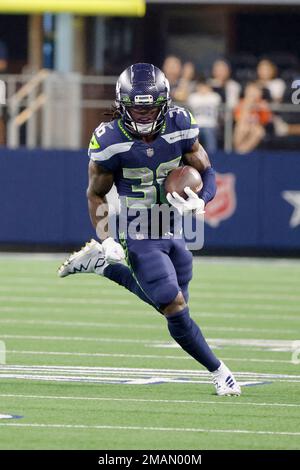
(89, 366)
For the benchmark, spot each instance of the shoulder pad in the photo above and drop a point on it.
(181, 117)
(107, 142)
(105, 133)
(103, 136)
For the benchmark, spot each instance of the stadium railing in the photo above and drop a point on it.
(48, 109)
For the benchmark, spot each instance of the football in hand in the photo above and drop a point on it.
(182, 177)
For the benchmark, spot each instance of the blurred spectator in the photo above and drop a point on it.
(188, 72)
(186, 84)
(267, 78)
(252, 116)
(221, 83)
(3, 57)
(204, 104)
(172, 68)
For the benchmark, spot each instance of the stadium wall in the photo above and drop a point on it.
(43, 200)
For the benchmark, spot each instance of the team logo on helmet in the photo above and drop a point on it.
(223, 205)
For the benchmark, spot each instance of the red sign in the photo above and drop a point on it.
(224, 203)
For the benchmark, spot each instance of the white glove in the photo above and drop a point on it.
(113, 251)
(192, 203)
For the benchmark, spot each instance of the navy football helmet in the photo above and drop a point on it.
(143, 98)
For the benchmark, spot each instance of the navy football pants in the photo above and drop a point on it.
(161, 268)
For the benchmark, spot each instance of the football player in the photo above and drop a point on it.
(147, 139)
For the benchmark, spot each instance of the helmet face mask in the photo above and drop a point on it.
(143, 99)
(143, 118)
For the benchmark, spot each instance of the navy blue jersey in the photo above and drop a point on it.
(140, 168)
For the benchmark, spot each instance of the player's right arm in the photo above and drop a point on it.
(100, 183)
(102, 167)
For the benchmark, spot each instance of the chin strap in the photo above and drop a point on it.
(144, 129)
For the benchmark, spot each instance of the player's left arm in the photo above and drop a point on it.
(198, 158)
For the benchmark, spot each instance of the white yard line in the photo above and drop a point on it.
(137, 356)
(262, 344)
(201, 295)
(135, 309)
(130, 376)
(88, 302)
(81, 338)
(287, 345)
(90, 281)
(148, 428)
(79, 354)
(84, 324)
(248, 307)
(63, 300)
(42, 285)
(146, 400)
(204, 314)
(245, 296)
(215, 295)
(4, 255)
(249, 330)
(129, 380)
(133, 326)
(122, 379)
(244, 316)
(133, 371)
